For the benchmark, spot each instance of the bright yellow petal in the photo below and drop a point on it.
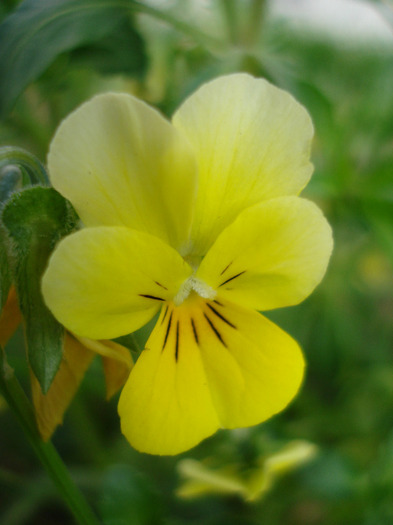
(165, 407)
(273, 255)
(207, 364)
(50, 408)
(105, 282)
(252, 142)
(121, 163)
(267, 363)
(116, 360)
(10, 317)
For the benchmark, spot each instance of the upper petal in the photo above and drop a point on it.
(105, 282)
(121, 163)
(252, 142)
(273, 255)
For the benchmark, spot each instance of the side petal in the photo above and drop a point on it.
(116, 360)
(105, 282)
(273, 255)
(121, 163)
(166, 407)
(206, 365)
(252, 142)
(50, 408)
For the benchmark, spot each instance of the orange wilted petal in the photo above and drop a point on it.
(10, 317)
(50, 408)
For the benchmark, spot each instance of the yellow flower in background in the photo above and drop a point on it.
(199, 220)
(201, 478)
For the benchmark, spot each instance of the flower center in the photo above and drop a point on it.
(193, 284)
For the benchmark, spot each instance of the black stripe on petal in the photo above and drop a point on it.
(151, 297)
(216, 332)
(194, 331)
(226, 268)
(177, 341)
(167, 330)
(234, 277)
(162, 286)
(220, 315)
(166, 311)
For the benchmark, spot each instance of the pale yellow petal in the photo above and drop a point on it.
(252, 142)
(105, 282)
(121, 163)
(50, 408)
(273, 255)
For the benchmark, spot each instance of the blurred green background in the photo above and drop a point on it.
(162, 51)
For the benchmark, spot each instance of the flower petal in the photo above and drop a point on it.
(252, 142)
(207, 364)
(10, 317)
(273, 255)
(121, 163)
(165, 407)
(116, 374)
(105, 282)
(116, 360)
(50, 408)
(267, 363)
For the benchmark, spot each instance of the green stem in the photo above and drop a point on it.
(183, 27)
(46, 452)
(230, 13)
(255, 21)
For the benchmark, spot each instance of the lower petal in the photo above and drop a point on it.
(207, 364)
(165, 406)
(269, 362)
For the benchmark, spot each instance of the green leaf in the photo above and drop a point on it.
(37, 32)
(122, 51)
(36, 219)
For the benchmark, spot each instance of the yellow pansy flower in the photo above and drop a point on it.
(198, 220)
